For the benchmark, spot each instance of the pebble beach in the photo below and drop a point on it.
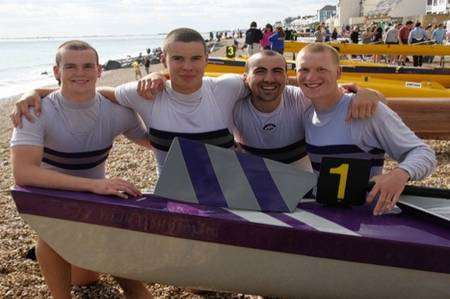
(21, 278)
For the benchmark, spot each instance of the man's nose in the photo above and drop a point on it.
(268, 77)
(187, 65)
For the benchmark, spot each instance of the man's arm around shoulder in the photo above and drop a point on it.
(27, 171)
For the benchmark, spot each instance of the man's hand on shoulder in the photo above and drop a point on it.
(22, 108)
(151, 85)
(364, 103)
(388, 186)
(114, 186)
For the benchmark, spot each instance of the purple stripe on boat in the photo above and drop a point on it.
(202, 174)
(262, 184)
(360, 220)
(289, 220)
(152, 215)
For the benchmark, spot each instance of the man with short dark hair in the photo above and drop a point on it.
(66, 148)
(191, 105)
(269, 121)
(329, 135)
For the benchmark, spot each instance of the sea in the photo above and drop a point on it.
(26, 63)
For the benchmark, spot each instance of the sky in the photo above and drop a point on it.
(31, 18)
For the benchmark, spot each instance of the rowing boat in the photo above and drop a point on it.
(233, 229)
(425, 110)
(314, 252)
(350, 68)
(372, 49)
(389, 88)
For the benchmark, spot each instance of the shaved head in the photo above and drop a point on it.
(257, 56)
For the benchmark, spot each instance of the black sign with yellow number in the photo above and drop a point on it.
(343, 181)
(230, 51)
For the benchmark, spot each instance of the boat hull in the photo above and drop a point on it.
(214, 266)
(352, 69)
(371, 49)
(314, 252)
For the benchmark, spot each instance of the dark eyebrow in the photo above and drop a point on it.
(278, 69)
(260, 68)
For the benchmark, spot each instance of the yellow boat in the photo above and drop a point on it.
(350, 68)
(389, 88)
(398, 88)
(370, 49)
(424, 107)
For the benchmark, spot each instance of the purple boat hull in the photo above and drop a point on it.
(315, 251)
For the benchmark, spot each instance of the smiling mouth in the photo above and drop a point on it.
(312, 85)
(269, 88)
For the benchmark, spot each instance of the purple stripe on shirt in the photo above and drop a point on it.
(201, 172)
(262, 184)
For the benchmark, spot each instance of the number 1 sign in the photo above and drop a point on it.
(343, 181)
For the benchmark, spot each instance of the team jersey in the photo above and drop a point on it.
(77, 137)
(278, 135)
(329, 135)
(205, 115)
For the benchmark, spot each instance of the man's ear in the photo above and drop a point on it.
(100, 71)
(56, 72)
(245, 78)
(339, 72)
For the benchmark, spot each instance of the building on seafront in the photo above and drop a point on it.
(326, 12)
(350, 12)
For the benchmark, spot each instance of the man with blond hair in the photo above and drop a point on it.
(329, 135)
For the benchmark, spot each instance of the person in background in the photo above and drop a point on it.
(288, 33)
(403, 35)
(147, 64)
(429, 30)
(391, 38)
(136, 65)
(318, 34)
(327, 34)
(265, 43)
(346, 30)
(354, 35)
(438, 36)
(417, 35)
(376, 39)
(378, 35)
(367, 35)
(277, 40)
(334, 35)
(252, 38)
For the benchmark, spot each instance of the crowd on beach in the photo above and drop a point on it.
(408, 33)
(44, 149)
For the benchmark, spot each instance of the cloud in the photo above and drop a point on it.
(86, 17)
